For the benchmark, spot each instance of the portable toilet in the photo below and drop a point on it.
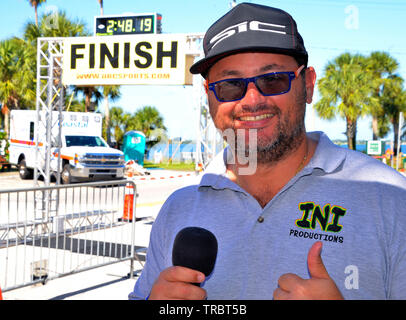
(134, 146)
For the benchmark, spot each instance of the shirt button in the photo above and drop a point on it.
(260, 219)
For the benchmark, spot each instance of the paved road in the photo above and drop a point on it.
(110, 282)
(152, 189)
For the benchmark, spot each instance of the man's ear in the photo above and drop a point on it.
(310, 83)
(206, 86)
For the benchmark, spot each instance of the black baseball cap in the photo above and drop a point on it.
(251, 27)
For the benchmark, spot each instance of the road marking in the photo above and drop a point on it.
(149, 204)
(143, 178)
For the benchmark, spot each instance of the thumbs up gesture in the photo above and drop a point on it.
(319, 287)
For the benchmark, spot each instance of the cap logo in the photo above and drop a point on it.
(245, 26)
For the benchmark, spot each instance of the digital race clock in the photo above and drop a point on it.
(128, 24)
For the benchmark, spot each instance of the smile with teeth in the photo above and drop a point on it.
(256, 118)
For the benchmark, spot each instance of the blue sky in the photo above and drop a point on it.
(329, 28)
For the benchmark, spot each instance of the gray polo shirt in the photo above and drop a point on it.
(351, 202)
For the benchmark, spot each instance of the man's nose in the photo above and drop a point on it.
(252, 96)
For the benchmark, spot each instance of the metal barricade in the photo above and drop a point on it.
(72, 228)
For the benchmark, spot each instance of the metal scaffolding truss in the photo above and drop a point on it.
(50, 97)
(208, 140)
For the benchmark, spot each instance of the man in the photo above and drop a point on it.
(305, 194)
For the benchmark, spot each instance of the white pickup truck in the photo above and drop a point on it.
(84, 155)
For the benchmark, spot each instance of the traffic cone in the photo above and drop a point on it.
(199, 167)
(128, 204)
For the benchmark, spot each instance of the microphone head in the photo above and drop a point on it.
(195, 248)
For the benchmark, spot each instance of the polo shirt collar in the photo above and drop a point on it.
(215, 174)
(327, 157)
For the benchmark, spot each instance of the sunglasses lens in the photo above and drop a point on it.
(230, 90)
(268, 84)
(272, 84)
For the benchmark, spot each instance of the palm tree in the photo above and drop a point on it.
(16, 86)
(151, 123)
(119, 122)
(71, 103)
(394, 101)
(345, 90)
(35, 4)
(8, 87)
(101, 6)
(62, 28)
(25, 73)
(148, 119)
(382, 66)
(90, 93)
(109, 92)
(18, 60)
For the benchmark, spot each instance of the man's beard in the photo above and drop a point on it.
(286, 141)
(288, 138)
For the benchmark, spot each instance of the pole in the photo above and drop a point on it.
(399, 133)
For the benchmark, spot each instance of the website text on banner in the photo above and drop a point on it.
(124, 60)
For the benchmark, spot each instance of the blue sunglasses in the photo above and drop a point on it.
(269, 84)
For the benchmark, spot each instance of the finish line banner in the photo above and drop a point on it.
(158, 59)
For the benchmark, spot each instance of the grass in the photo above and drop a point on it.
(170, 166)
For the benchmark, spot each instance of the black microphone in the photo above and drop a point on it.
(195, 248)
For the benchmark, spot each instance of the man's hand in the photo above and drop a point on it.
(319, 287)
(176, 283)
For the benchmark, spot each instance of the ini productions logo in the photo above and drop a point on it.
(326, 218)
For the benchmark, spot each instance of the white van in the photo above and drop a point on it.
(85, 155)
